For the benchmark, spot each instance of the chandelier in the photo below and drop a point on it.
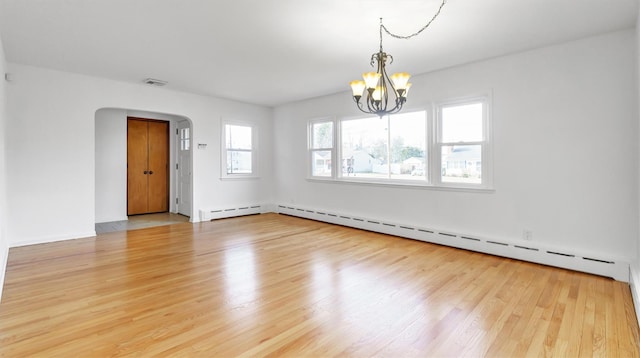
(377, 86)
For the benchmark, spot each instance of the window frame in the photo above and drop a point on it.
(433, 149)
(486, 172)
(224, 150)
(388, 180)
(311, 149)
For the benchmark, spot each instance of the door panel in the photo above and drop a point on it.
(137, 180)
(147, 166)
(158, 166)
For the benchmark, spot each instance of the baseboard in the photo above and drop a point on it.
(634, 285)
(4, 260)
(563, 257)
(232, 211)
(48, 239)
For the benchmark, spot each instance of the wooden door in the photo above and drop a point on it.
(147, 166)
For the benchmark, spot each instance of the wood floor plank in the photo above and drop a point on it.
(274, 285)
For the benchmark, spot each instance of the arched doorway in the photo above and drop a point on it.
(111, 162)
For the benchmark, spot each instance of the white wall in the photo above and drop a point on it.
(111, 165)
(4, 244)
(565, 129)
(51, 152)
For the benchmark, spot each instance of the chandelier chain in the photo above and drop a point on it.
(413, 34)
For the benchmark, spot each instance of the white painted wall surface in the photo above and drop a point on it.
(51, 152)
(4, 244)
(565, 129)
(111, 165)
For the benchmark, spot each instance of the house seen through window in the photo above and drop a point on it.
(461, 142)
(321, 138)
(392, 147)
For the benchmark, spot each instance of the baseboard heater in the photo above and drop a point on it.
(229, 212)
(520, 250)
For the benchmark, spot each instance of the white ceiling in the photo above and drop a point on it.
(271, 52)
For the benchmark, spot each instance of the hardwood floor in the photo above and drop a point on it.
(273, 285)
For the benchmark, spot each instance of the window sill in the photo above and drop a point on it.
(401, 184)
(239, 177)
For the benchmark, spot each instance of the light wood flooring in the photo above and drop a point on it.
(273, 285)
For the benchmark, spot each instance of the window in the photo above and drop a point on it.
(451, 150)
(185, 139)
(239, 155)
(389, 148)
(321, 148)
(462, 143)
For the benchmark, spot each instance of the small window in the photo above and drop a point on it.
(463, 143)
(185, 139)
(239, 156)
(321, 148)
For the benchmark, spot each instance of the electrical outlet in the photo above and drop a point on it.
(527, 235)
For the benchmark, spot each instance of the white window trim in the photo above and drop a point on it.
(388, 180)
(254, 150)
(433, 155)
(310, 148)
(486, 143)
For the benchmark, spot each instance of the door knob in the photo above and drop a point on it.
(145, 172)
(150, 172)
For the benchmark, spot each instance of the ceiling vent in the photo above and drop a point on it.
(155, 82)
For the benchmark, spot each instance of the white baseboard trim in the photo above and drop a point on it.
(48, 239)
(563, 257)
(233, 211)
(4, 260)
(634, 285)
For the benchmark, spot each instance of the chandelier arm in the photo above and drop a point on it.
(371, 104)
(384, 96)
(359, 105)
(413, 34)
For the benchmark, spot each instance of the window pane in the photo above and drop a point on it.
(462, 164)
(238, 137)
(321, 163)
(462, 123)
(322, 135)
(185, 141)
(238, 162)
(364, 148)
(408, 145)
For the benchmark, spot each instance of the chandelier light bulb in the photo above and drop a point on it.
(378, 93)
(400, 80)
(357, 87)
(371, 79)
